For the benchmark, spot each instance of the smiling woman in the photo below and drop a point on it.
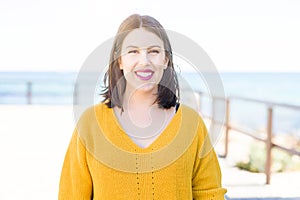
(141, 142)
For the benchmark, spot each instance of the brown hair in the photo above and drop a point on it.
(114, 81)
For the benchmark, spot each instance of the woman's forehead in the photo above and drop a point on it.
(142, 38)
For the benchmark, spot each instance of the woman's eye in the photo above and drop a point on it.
(133, 51)
(154, 51)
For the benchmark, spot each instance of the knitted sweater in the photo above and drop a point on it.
(102, 162)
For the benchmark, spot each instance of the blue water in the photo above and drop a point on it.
(58, 87)
(274, 87)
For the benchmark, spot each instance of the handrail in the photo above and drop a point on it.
(270, 103)
(269, 126)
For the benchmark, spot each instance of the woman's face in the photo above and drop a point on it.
(143, 60)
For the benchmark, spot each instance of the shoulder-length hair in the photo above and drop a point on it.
(114, 81)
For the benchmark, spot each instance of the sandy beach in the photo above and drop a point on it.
(34, 140)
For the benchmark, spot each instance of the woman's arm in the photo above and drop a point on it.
(206, 181)
(75, 181)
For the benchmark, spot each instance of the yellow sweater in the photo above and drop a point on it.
(102, 162)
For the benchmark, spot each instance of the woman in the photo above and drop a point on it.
(140, 143)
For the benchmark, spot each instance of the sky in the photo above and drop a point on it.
(238, 35)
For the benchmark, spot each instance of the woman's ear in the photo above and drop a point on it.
(166, 62)
(118, 60)
(120, 63)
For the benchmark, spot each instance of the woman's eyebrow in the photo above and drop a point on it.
(149, 47)
(130, 46)
(154, 46)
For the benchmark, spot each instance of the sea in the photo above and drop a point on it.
(57, 88)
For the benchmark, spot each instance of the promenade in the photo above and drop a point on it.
(34, 141)
(246, 185)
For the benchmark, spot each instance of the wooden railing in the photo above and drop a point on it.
(269, 126)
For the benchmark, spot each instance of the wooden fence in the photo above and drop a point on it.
(269, 126)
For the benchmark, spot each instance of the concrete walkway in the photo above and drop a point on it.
(245, 185)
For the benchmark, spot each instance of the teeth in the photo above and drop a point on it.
(144, 74)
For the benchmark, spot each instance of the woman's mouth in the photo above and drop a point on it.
(144, 75)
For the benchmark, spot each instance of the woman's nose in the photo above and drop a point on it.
(143, 58)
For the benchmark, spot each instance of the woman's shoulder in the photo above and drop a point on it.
(189, 111)
(91, 120)
(92, 110)
(89, 114)
(191, 116)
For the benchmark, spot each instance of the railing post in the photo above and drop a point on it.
(269, 145)
(29, 93)
(75, 94)
(213, 102)
(213, 116)
(227, 126)
(199, 101)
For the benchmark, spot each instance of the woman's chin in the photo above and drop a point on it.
(146, 87)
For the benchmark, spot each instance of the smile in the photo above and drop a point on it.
(144, 74)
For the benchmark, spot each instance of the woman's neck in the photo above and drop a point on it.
(142, 117)
(139, 99)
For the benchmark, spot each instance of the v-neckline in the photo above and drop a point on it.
(164, 138)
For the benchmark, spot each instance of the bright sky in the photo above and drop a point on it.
(238, 35)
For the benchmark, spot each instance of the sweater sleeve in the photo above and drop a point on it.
(75, 180)
(206, 181)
